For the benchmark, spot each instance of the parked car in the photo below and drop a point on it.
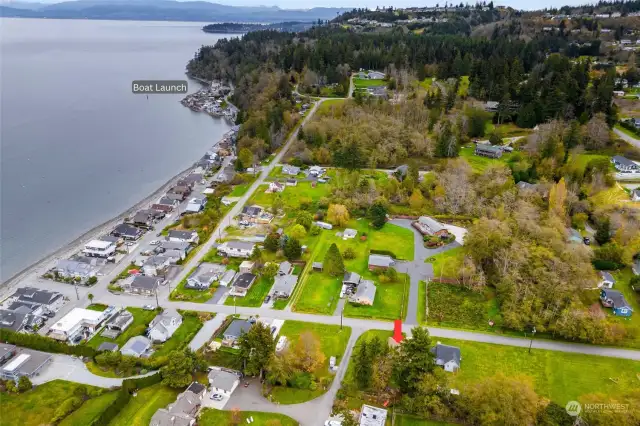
(267, 299)
(217, 397)
(154, 242)
(148, 308)
(587, 240)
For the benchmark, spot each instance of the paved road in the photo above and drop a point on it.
(626, 137)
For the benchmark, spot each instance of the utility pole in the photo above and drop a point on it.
(157, 303)
(76, 287)
(341, 312)
(533, 333)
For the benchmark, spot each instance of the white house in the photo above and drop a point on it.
(606, 280)
(156, 265)
(223, 382)
(78, 323)
(205, 275)
(99, 248)
(275, 187)
(227, 278)
(349, 233)
(73, 269)
(164, 325)
(196, 205)
(448, 357)
(188, 236)
(323, 225)
(236, 248)
(624, 165)
(136, 346)
(290, 170)
(365, 293)
(372, 416)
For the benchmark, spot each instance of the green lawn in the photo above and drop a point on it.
(463, 87)
(395, 239)
(280, 304)
(408, 420)
(447, 264)
(631, 324)
(479, 163)
(319, 294)
(191, 295)
(365, 82)
(579, 162)
(422, 303)
(333, 342)
(140, 409)
(255, 296)
(456, 307)
(213, 417)
(90, 410)
(141, 319)
(241, 189)
(291, 195)
(183, 335)
(97, 307)
(627, 131)
(37, 406)
(389, 303)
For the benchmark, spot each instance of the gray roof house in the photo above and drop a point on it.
(164, 325)
(26, 362)
(117, 324)
(236, 248)
(490, 151)
(34, 295)
(15, 320)
(448, 357)
(290, 170)
(205, 275)
(606, 279)
(137, 346)
(73, 268)
(222, 381)
(183, 411)
(351, 278)
(108, 346)
(126, 231)
(380, 261)
(285, 268)
(283, 285)
(227, 278)
(142, 218)
(156, 265)
(181, 246)
(365, 293)
(145, 285)
(430, 226)
(623, 164)
(234, 331)
(189, 236)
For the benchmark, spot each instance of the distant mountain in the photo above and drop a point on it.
(164, 10)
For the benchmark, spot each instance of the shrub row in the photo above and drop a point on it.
(384, 253)
(45, 344)
(112, 410)
(141, 382)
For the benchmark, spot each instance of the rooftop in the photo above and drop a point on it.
(26, 362)
(108, 346)
(75, 317)
(380, 260)
(244, 280)
(237, 327)
(144, 282)
(137, 344)
(372, 416)
(222, 379)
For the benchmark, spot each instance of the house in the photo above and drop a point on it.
(67, 268)
(156, 265)
(147, 285)
(24, 363)
(376, 75)
(428, 226)
(615, 300)
(234, 331)
(137, 346)
(196, 205)
(110, 238)
(99, 248)
(175, 197)
(108, 347)
(379, 261)
(291, 182)
(635, 194)
(204, 275)
(250, 213)
(236, 249)
(316, 171)
(290, 170)
(127, 232)
(526, 186)
(143, 219)
(191, 179)
(246, 266)
(17, 321)
(117, 324)
(491, 106)
(448, 357)
(377, 91)
(317, 266)
(225, 175)
(77, 324)
(168, 201)
(624, 165)
(184, 190)
(162, 207)
(275, 187)
(574, 236)
(162, 327)
(227, 278)
(283, 285)
(401, 172)
(285, 268)
(365, 293)
(349, 233)
(606, 280)
(183, 411)
(50, 300)
(486, 150)
(182, 247)
(188, 236)
(223, 382)
(323, 225)
(372, 416)
(351, 278)
(241, 284)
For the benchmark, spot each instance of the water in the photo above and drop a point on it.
(77, 147)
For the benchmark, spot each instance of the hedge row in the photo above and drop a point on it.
(141, 382)
(44, 344)
(113, 410)
(384, 253)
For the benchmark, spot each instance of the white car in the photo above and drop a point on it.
(148, 308)
(217, 397)
(154, 242)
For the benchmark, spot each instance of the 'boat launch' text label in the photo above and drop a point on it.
(159, 86)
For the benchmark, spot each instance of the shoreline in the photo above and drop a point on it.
(72, 247)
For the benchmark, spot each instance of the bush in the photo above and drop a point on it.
(112, 410)
(349, 253)
(142, 382)
(301, 381)
(606, 265)
(24, 384)
(67, 407)
(45, 344)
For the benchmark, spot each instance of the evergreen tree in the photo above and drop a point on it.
(333, 263)
(363, 366)
(414, 360)
(603, 231)
(257, 348)
(292, 249)
(378, 214)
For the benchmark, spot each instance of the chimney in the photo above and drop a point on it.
(397, 330)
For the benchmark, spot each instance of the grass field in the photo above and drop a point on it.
(389, 304)
(452, 306)
(37, 406)
(360, 83)
(463, 87)
(478, 163)
(141, 319)
(328, 105)
(319, 294)
(614, 196)
(213, 417)
(447, 264)
(291, 195)
(90, 410)
(333, 342)
(631, 324)
(422, 303)
(395, 239)
(140, 409)
(182, 336)
(255, 296)
(241, 189)
(99, 307)
(407, 420)
(191, 295)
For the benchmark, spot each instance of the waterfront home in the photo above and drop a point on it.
(166, 201)
(225, 175)
(241, 284)
(183, 191)
(99, 248)
(156, 265)
(137, 347)
(624, 165)
(236, 249)
(193, 178)
(162, 207)
(429, 226)
(448, 357)
(143, 219)
(67, 268)
(186, 236)
(144, 285)
(365, 293)
(176, 197)
(164, 325)
(115, 240)
(127, 232)
(78, 324)
(204, 275)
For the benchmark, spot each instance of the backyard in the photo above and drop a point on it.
(362, 83)
(255, 296)
(191, 324)
(447, 264)
(213, 417)
(141, 318)
(144, 404)
(389, 303)
(333, 342)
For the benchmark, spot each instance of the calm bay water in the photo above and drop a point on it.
(77, 147)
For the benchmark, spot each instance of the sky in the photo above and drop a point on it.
(371, 4)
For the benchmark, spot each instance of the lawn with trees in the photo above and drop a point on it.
(213, 417)
(141, 408)
(256, 294)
